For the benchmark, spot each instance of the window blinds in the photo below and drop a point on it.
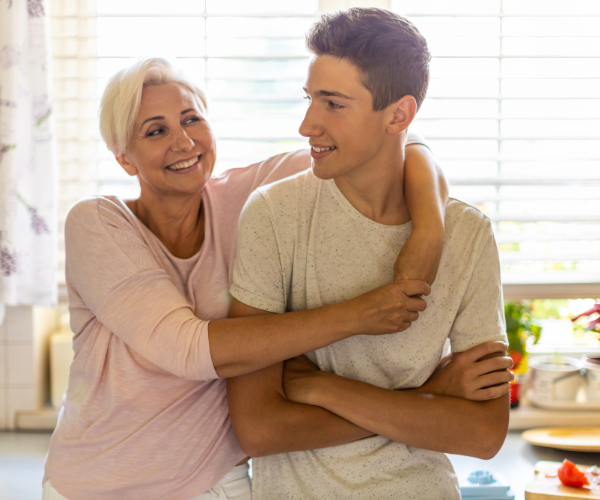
(513, 113)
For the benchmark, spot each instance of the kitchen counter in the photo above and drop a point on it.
(516, 461)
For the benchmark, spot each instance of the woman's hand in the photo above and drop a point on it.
(300, 376)
(388, 309)
(479, 374)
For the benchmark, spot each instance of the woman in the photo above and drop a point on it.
(145, 415)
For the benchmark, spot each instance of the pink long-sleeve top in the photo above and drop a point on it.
(145, 415)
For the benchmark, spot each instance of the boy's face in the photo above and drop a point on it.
(344, 132)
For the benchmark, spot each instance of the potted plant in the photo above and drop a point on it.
(520, 327)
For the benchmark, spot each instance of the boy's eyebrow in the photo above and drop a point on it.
(162, 117)
(327, 93)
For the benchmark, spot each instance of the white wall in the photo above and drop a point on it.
(24, 360)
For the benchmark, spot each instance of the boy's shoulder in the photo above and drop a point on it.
(459, 212)
(290, 195)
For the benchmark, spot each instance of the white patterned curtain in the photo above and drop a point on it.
(28, 175)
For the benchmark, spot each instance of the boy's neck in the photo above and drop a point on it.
(376, 188)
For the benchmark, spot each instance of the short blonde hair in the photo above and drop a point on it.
(120, 102)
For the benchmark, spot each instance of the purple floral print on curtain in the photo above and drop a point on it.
(28, 175)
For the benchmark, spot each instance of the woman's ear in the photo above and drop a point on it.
(402, 114)
(127, 164)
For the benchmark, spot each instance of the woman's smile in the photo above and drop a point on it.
(185, 166)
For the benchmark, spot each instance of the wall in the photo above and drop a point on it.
(24, 360)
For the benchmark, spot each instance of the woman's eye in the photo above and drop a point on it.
(154, 133)
(192, 119)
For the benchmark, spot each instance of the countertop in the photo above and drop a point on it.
(516, 461)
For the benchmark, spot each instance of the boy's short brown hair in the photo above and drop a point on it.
(387, 49)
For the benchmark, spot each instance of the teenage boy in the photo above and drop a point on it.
(345, 429)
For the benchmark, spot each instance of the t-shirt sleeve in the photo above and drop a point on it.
(480, 316)
(118, 278)
(258, 273)
(414, 138)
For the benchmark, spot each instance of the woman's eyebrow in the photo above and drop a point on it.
(150, 119)
(162, 117)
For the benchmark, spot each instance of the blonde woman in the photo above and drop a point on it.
(145, 415)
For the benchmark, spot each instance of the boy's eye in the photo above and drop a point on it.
(335, 105)
(307, 98)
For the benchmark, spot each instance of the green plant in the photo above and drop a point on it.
(519, 328)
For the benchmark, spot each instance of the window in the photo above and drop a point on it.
(513, 109)
(249, 56)
(513, 113)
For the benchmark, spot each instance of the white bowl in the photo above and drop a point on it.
(592, 377)
(555, 382)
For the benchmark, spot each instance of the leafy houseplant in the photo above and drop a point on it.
(594, 322)
(519, 328)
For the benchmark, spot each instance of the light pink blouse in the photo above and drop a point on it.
(145, 415)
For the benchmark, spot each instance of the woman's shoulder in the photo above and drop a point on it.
(100, 211)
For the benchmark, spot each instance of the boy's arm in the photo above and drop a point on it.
(437, 423)
(426, 192)
(266, 423)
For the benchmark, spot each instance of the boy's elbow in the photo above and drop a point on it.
(492, 434)
(256, 438)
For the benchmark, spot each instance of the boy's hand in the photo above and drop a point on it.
(479, 374)
(299, 377)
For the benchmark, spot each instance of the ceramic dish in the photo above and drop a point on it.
(565, 438)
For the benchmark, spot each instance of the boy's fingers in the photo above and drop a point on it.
(493, 379)
(486, 349)
(502, 363)
(492, 392)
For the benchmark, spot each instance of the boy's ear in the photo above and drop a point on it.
(402, 114)
(127, 164)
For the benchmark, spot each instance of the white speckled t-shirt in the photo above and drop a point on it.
(301, 245)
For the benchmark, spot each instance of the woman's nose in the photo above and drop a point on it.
(183, 142)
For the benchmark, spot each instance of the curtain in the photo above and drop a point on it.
(28, 174)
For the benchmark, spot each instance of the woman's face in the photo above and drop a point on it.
(172, 147)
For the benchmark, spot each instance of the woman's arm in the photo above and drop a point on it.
(112, 269)
(426, 192)
(241, 345)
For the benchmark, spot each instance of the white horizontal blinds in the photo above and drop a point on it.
(513, 112)
(249, 56)
(75, 104)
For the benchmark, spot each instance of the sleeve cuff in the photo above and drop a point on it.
(466, 344)
(208, 371)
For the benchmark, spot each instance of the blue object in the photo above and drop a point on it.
(483, 485)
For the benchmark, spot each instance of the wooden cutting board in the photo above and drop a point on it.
(550, 488)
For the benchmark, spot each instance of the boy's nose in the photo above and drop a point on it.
(309, 126)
